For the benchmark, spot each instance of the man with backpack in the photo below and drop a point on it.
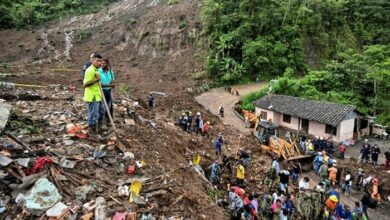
(86, 65)
(92, 95)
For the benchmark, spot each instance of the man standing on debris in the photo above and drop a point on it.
(332, 174)
(92, 94)
(218, 147)
(107, 77)
(375, 151)
(215, 173)
(240, 175)
(150, 101)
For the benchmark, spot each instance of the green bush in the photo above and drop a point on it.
(18, 13)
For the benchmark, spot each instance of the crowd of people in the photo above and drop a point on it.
(290, 196)
(189, 123)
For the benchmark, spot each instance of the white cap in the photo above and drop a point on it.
(365, 140)
(198, 113)
(319, 153)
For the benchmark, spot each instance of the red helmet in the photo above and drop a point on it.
(375, 181)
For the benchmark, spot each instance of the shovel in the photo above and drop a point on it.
(119, 143)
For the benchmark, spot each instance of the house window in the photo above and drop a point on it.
(287, 118)
(329, 129)
(263, 115)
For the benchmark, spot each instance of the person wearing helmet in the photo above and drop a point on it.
(205, 129)
(359, 179)
(240, 174)
(198, 123)
(375, 191)
(331, 202)
(318, 160)
(332, 174)
(189, 115)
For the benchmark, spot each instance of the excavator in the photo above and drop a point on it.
(267, 134)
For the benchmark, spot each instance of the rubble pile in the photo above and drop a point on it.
(51, 169)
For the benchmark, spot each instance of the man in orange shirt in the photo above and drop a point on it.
(333, 174)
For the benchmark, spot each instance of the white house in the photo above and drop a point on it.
(315, 118)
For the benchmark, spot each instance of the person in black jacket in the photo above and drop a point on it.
(284, 175)
(375, 151)
(387, 162)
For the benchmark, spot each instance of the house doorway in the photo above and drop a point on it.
(305, 126)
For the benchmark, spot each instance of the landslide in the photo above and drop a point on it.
(151, 47)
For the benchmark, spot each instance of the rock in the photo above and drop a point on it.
(23, 161)
(56, 210)
(101, 209)
(128, 155)
(4, 161)
(68, 142)
(42, 196)
(82, 192)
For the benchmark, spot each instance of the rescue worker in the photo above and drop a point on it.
(375, 191)
(359, 179)
(244, 157)
(323, 172)
(221, 111)
(150, 101)
(318, 160)
(198, 123)
(240, 174)
(205, 129)
(236, 204)
(189, 122)
(331, 203)
(217, 147)
(333, 174)
(375, 151)
(215, 173)
(387, 162)
(226, 163)
(365, 151)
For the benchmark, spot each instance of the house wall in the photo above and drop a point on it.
(317, 129)
(270, 114)
(293, 125)
(346, 129)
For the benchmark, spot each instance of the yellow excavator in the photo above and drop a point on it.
(267, 133)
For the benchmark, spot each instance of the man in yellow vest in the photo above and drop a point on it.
(240, 175)
(92, 94)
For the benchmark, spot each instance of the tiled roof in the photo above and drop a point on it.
(324, 112)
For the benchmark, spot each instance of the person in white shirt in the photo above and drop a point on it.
(304, 184)
(347, 183)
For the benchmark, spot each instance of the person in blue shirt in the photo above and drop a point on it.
(107, 78)
(218, 147)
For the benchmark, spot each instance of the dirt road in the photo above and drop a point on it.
(219, 97)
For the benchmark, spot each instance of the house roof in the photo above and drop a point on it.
(324, 112)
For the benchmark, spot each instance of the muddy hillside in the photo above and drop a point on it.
(47, 158)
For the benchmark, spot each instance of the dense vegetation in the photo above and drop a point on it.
(20, 13)
(335, 50)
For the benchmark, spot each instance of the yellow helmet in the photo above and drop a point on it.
(333, 198)
(208, 122)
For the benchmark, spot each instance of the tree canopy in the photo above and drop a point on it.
(334, 50)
